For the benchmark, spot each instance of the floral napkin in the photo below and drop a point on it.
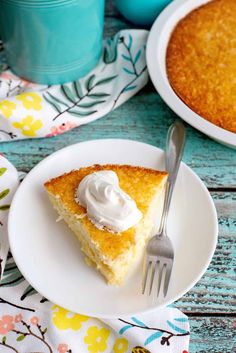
(30, 323)
(29, 110)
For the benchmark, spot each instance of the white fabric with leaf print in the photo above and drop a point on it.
(29, 323)
(29, 110)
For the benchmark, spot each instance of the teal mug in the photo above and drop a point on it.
(52, 41)
(141, 12)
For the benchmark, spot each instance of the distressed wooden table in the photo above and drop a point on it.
(211, 304)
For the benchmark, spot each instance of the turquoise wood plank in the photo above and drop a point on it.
(215, 292)
(212, 334)
(144, 118)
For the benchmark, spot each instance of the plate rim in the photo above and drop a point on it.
(112, 316)
(161, 83)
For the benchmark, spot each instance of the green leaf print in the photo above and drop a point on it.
(28, 292)
(137, 56)
(78, 89)
(75, 98)
(129, 88)
(12, 279)
(68, 93)
(2, 171)
(85, 113)
(90, 81)
(11, 275)
(4, 207)
(106, 80)
(9, 268)
(110, 50)
(88, 105)
(4, 339)
(53, 104)
(20, 338)
(130, 41)
(4, 193)
(98, 95)
(128, 58)
(55, 99)
(128, 71)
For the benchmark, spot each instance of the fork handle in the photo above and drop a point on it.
(174, 151)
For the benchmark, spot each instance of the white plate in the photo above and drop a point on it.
(156, 61)
(49, 256)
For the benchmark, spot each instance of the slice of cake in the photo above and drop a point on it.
(112, 210)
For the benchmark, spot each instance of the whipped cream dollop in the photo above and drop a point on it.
(106, 203)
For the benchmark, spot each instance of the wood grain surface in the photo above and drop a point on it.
(211, 304)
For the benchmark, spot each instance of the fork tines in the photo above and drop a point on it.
(156, 271)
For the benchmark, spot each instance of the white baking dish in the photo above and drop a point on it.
(156, 61)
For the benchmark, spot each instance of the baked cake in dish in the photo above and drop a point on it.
(201, 62)
(111, 252)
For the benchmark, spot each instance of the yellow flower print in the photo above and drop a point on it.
(30, 100)
(28, 126)
(96, 339)
(65, 320)
(7, 107)
(121, 345)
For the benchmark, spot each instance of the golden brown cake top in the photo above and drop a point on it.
(140, 183)
(201, 62)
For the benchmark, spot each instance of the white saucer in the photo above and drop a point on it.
(49, 255)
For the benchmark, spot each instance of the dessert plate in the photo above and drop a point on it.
(49, 255)
(156, 61)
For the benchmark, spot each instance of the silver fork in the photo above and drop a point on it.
(159, 251)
